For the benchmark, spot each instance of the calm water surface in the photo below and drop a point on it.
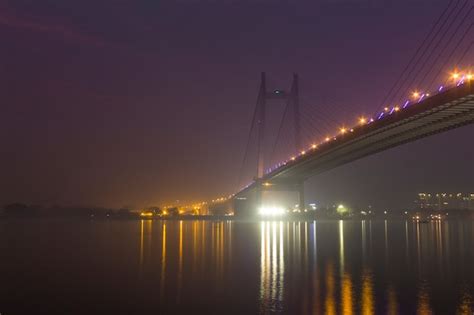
(230, 267)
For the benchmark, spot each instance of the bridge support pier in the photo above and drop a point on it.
(302, 205)
(258, 197)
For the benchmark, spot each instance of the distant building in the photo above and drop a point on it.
(445, 201)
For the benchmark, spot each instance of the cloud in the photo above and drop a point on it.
(12, 20)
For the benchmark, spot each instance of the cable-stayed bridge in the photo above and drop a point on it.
(424, 116)
(304, 144)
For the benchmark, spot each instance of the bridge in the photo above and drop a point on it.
(424, 115)
(444, 49)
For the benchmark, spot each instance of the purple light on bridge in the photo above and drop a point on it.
(422, 96)
(440, 88)
(381, 115)
(406, 103)
(392, 110)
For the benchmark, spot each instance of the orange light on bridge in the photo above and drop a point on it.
(303, 152)
(314, 146)
(343, 130)
(469, 76)
(455, 75)
(327, 139)
(396, 108)
(292, 158)
(415, 94)
(362, 120)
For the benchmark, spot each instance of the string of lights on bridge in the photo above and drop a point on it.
(457, 78)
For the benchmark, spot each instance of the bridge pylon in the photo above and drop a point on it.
(291, 98)
(264, 96)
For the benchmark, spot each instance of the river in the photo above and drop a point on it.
(67, 266)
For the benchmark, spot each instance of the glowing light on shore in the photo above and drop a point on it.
(271, 211)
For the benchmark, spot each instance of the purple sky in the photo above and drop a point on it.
(144, 102)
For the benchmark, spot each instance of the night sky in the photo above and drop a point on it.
(137, 103)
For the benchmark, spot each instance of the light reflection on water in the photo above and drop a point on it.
(314, 267)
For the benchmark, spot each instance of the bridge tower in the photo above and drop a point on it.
(291, 98)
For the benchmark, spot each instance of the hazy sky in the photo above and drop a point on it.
(118, 103)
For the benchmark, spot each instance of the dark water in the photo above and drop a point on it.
(196, 267)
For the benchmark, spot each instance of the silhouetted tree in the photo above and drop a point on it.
(18, 209)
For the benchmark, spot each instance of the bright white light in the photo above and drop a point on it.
(271, 211)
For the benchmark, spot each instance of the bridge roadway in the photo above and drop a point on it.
(443, 111)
